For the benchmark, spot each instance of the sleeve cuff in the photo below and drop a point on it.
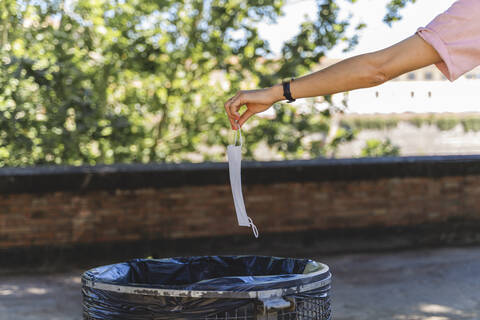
(446, 66)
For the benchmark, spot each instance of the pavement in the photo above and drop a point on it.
(434, 284)
(442, 284)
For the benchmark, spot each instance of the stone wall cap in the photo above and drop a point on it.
(164, 175)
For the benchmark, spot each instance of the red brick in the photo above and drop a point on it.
(68, 217)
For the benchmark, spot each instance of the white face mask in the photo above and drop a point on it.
(234, 155)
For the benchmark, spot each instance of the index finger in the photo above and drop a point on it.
(227, 109)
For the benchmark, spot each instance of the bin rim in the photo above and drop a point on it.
(320, 278)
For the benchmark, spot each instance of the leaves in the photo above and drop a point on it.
(379, 148)
(393, 8)
(96, 81)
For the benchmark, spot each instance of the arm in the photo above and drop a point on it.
(363, 71)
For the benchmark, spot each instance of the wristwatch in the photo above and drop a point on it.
(286, 91)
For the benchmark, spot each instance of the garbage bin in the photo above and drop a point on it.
(209, 287)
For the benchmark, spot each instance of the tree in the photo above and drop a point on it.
(393, 10)
(103, 81)
(379, 148)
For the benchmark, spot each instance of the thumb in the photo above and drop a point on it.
(238, 101)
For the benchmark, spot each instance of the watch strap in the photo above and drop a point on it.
(286, 91)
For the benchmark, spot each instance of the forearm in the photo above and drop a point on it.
(364, 71)
(349, 74)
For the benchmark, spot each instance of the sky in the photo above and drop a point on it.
(376, 36)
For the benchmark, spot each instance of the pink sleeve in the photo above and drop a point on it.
(455, 34)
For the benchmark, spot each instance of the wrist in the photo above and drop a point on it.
(276, 92)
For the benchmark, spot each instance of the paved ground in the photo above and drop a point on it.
(441, 284)
(417, 285)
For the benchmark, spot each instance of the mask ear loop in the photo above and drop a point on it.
(254, 227)
(238, 132)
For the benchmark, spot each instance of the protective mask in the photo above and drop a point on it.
(234, 155)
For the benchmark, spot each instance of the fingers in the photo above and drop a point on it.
(245, 116)
(235, 105)
(230, 117)
(232, 106)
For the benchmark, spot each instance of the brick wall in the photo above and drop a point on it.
(63, 206)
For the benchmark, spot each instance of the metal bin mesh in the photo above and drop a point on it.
(307, 306)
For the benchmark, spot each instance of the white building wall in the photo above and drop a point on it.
(417, 96)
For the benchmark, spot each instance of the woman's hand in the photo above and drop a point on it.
(256, 101)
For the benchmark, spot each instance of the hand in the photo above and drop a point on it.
(256, 101)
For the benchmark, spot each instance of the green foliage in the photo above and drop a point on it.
(471, 124)
(442, 122)
(97, 81)
(419, 122)
(373, 123)
(343, 134)
(446, 124)
(378, 148)
(291, 132)
(393, 10)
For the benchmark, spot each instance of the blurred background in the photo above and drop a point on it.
(101, 82)
(113, 137)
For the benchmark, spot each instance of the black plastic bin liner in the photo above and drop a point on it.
(212, 273)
